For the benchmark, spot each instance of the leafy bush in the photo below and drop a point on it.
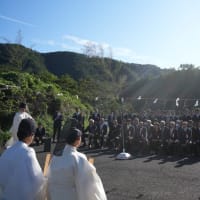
(47, 122)
(4, 136)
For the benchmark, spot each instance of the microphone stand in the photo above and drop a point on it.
(123, 155)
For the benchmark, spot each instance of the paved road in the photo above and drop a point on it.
(147, 177)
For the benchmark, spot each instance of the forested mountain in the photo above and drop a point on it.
(18, 57)
(87, 77)
(78, 66)
(87, 82)
(66, 81)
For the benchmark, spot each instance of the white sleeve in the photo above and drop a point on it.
(26, 181)
(17, 119)
(37, 179)
(15, 124)
(88, 183)
(27, 115)
(13, 130)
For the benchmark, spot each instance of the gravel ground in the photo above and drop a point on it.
(147, 177)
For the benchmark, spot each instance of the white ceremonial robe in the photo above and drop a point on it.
(72, 177)
(14, 128)
(21, 177)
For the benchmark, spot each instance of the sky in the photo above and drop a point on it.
(165, 33)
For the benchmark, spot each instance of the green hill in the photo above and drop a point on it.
(81, 66)
(78, 66)
(105, 78)
(109, 77)
(18, 57)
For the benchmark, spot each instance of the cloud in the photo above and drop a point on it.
(129, 55)
(83, 42)
(56, 45)
(16, 20)
(124, 52)
(76, 40)
(51, 42)
(119, 53)
(44, 42)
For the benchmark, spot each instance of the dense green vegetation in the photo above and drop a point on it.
(17, 57)
(43, 97)
(66, 80)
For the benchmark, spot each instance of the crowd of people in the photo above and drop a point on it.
(70, 174)
(166, 132)
(169, 132)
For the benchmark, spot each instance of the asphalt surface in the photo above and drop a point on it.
(148, 177)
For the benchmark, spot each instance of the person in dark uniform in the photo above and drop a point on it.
(173, 141)
(115, 136)
(185, 138)
(91, 131)
(103, 130)
(39, 134)
(196, 139)
(165, 136)
(79, 116)
(57, 124)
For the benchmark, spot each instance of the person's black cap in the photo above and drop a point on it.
(73, 135)
(22, 105)
(26, 128)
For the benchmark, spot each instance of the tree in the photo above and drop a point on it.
(90, 49)
(110, 53)
(5, 39)
(186, 67)
(19, 37)
(100, 51)
(68, 83)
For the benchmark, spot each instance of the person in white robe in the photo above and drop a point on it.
(71, 176)
(21, 114)
(21, 177)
